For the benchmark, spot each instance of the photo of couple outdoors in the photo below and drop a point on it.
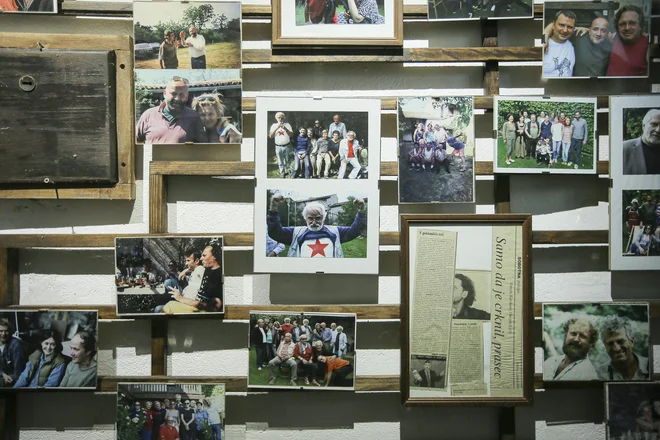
(169, 275)
(311, 226)
(339, 12)
(607, 342)
(641, 223)
(318, 145)
(585, 39)
(169, 411)
(48, 349)
(548, 134)
(296, 350)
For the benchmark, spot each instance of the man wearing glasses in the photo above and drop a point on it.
(171, 122)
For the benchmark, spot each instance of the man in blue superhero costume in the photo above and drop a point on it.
(315, 239)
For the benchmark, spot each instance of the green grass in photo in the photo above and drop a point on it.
(586, 159)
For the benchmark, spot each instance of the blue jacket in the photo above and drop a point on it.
(12, 360)
(303, 145)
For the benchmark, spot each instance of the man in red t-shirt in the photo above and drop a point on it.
(338, 369)
(169, 431)
(630, 46)
(285, 328)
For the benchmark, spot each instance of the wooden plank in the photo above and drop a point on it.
(185, 168)
(157, 203)
(654, 309)
(5, 293)
(125, 117)
(502, 194)
(362, 311)
(82, 7)
(158, 347)
(117, 192)
(66, 41)
(570, 237)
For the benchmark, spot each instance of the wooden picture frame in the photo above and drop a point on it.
(388, 34)
(121, 45)
(461, 231)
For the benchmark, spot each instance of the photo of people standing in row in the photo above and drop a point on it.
(296, 350)
(340, 12)
(48, 349)
(641, 222)
(171, 275)
(170, 411)
(318, 145)
(436, 150)
(609, 39)
(549, 135)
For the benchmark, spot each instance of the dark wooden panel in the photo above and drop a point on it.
(64, 129)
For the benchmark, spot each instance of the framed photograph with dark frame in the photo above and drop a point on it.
(632, 408)
(466, 317)
(333, 23)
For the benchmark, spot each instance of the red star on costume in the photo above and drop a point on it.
(318, 248)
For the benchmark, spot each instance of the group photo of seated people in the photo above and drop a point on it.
(466, 9)
(302, 350)
(169, 275)
(170, 411)
(339, 12)
(545, 134)
(641, 223)
(172, 113)
(48, 349)
(318, 145)
(429, 150)
(581, 41)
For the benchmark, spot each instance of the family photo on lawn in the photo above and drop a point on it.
(436, 149)
(48, 349)
(171, 275)
(170, 411)
(326, 226)
(339, 12)
(641, 222)
(588, 39)
(305, 144)
(297, 349)
(200, 106)
(182, 35)
(606, 342)
(548, 135)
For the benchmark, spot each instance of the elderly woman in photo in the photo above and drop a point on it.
(46, 366)
(361, 11)
(81, 372)
(217, 127)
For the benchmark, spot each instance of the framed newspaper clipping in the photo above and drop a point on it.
(466, 316)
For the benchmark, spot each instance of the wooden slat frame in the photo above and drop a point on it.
(122, 45)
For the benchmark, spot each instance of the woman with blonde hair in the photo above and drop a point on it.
(217, 127)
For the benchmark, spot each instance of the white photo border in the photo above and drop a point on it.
(496, 129)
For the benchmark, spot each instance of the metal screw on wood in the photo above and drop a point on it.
(27, 83)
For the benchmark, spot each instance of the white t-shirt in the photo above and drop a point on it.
(194, 283)
(559, 61)
(557, 131)
(198, 46)
(281, 136)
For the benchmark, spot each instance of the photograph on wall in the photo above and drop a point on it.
(596, 341)
(187, 35)
(465, 328)
(29, 6)
(170, 411)
(171, 275)
(632, 410)
(545, 135)
(198, 106)
(590, 39)
(302, 350)
(635, 172)
(330, 139)
(436, 149)
(331, 229)
(331, 22)
(479, 9)
(48, 349)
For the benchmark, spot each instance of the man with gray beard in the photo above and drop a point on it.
(316, 239)
(574, 364)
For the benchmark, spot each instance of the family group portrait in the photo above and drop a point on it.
(641, 223)
(477, 9)
(302, 350)
(339, 12)
(183, 35)
(48, 349)
(307, 225)
(318, 145)
(633, 410)
(170, 411)
(555, 135)
(605, 342)
(199, 106)
(585, 39)
(436, 149)
(171, 275)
